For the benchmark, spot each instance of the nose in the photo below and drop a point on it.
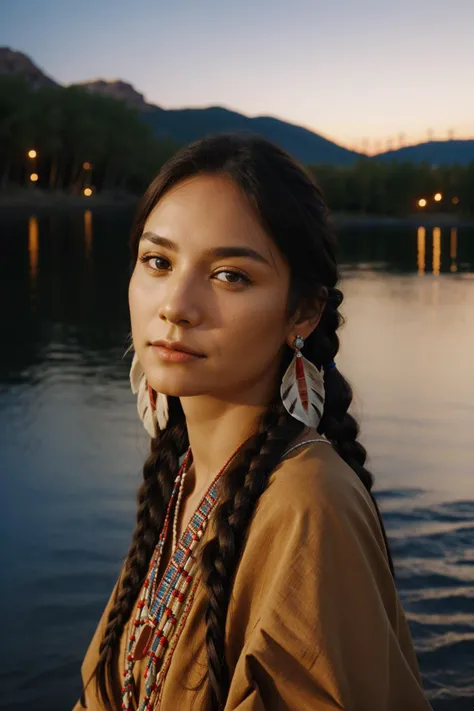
(179, 304)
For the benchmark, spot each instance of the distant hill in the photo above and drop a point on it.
(184, 125)
(119, 90)
(12, 62)
(434, 152)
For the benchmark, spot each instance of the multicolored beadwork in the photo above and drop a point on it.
(163, 602)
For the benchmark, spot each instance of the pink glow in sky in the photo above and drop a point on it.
(350, 70)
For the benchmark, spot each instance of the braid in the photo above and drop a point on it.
(241, 488)
(153, 497)
(337, 424)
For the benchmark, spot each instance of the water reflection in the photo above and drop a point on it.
(436, 250)
(88, 232)
(420, 250)
(421, 240)
(453, 251)
(33, 250)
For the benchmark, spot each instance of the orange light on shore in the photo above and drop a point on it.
(87, 192)
(32, 154)
(422, 202)
(438, 197)
(455, 201)
(34, 177)
(86, 165)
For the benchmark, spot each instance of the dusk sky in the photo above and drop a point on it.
(350, 70)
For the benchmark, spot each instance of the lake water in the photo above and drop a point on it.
(71, 447)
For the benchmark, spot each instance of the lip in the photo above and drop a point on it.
(175, 348)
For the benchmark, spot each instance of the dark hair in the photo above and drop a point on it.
(293, 213)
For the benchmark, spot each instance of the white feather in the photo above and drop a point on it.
(162, 410)
(152, 419)
(136, 373)
(145, 410)
(291, 397)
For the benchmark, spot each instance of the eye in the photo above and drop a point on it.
(236, 277)
(147, 258)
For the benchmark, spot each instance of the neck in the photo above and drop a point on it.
(215, 430)
(218, 425)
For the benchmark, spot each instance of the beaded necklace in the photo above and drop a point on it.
(161, 602)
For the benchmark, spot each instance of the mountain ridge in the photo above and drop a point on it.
(190, 123)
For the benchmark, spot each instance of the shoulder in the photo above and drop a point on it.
(314, 537)
(312, 484)
(316, 503)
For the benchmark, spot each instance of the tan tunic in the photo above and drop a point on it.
(315, 622)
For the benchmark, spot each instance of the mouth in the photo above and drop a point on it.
(176, 347)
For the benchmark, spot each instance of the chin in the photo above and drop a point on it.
(175, 389)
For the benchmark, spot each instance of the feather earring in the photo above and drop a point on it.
(153, 411)
(302, 388)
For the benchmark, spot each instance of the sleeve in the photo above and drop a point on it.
(330, 631)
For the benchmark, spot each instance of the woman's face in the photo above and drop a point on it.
(208, 276)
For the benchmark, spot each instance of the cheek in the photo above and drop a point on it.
(259, 331)
(139, 304)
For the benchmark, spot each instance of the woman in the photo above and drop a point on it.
(259, 575)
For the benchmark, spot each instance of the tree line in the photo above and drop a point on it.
(82, 140)
(375, 187)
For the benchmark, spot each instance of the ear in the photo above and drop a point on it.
(307, 318)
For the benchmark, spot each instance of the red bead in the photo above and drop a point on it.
(130, 657)
(146, 583)
(189, 579)
(163, 641)
(132, 638)
(136, 623)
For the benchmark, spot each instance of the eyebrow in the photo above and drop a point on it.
(218, 252)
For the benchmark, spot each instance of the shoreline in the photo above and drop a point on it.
(341, 220)
(34, 200)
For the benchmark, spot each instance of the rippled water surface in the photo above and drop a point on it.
(71, 448)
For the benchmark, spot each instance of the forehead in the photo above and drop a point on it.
(209, 210)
